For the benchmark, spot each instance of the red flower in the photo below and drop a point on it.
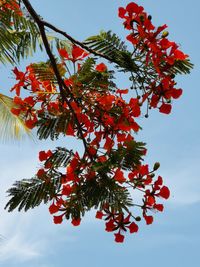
(77, 53)
(99, 215)
(110, 226)
(122, 91)
(21, 77)
(76, 222)
(108, 144)
(101, 67)
(58, 219)
(67, 190)
(92, 151)
(164, 192)
(165, 108)
(70, 129)
(41, 173)
(19, 74)
(148, 219)
(29, 100)
(121, 12)
(176, 93)
(63, 53)
(119, 176)
(158, 207)
(150, 201)
(119, 238)
(15, 111)
(144, 170)
(45, 155)
(159, 181)
(42, 155)
(135, 107)
(31, 123)
(133, 227)
(134, 8)
(53, 208)
(179, 55)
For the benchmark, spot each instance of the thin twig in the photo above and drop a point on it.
(74, 41)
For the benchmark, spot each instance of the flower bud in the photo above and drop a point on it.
(165, 34)
(138, 218)
(156, 166)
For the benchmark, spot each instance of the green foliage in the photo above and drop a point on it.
(96, 193)
(52, 126)
(182, 67)
(44, 71)
(29, 193)
(18, 35)
(128, 157)
(107, 43)
(60, 158)
(92, 79)
(110, 45)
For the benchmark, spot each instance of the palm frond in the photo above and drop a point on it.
(12, 127)
(19, 36)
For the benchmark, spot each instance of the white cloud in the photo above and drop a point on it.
(26, 236)
(17, 248)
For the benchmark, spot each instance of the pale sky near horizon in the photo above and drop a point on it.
(32, 240)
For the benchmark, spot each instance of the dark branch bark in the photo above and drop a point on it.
(61, 84)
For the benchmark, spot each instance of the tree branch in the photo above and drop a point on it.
(74, 41)
(61, 83)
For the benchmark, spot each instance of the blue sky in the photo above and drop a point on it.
(31, 239)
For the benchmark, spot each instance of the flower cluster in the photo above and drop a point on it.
(112, 161)
(160, 56)
(88, 105)
(41, 92)
(80, 172)
(10, 5)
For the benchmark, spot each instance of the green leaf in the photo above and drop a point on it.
(110, 45)
(44, 71)
(60, 157)
(29, 193)
(19, 36)
(182, 67)
(50, 126)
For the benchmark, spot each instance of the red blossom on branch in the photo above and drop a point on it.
(87, 105)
